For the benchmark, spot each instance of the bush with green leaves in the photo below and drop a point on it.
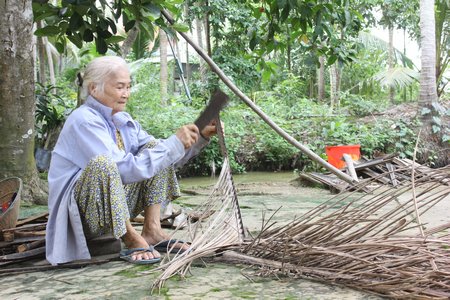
(53, 105)
(358, 105)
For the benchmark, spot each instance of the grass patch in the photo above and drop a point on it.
(292, 297)
(43, 175)
(239, 292)
(28, 210)
(133, 271)
(164, 291)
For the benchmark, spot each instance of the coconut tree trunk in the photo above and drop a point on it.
(188, 65)
(164, 73)
(51, 65)
(42, 77)
(207, 30)
(332, 88)
(199, 31)
(442, 40)
(428, 90)
(17, 97)
(405, 89)
(288, 49)
(391, 61)
(335, 80)
(321, 79)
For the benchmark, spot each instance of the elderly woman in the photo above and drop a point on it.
(106, 169)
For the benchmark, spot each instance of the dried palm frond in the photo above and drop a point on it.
(375, 243)
(224, 229)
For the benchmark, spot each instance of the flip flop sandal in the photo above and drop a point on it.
(167, 246)
(127, 255)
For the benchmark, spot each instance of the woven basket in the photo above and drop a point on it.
(10, 191)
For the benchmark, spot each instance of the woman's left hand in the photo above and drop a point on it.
(210, 129)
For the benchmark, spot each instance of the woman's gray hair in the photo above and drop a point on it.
(98, 71)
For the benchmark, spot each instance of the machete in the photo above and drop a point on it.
(218, 100)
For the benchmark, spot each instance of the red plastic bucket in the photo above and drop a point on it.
(335, 154)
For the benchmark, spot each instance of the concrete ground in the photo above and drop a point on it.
(121, 280)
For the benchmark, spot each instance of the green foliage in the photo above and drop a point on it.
(360, 106)
(51, 111)
(145, 77)
(238, 66)
(252, 145)
(313, 22)
(96, 21)
(293, 88)
(439, 120)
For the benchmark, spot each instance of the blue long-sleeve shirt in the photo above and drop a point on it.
(90, 131)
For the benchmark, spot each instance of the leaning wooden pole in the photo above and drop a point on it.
(258, 111)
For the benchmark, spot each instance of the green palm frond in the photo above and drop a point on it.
(398, 77)
(370, 41)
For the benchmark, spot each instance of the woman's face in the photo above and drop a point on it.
(116, 91)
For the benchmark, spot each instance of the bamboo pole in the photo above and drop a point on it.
(258, 111)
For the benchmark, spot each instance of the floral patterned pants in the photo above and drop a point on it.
(105, 204)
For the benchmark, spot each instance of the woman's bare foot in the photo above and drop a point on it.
(132, 239)
(152, 231)
(156, 236)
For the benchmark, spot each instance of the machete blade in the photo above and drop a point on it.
(218, 100)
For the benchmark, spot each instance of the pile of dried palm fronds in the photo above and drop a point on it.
(221, 231)
(377, 242)
(386, 170)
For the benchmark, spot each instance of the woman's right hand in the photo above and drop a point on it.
(188, 135)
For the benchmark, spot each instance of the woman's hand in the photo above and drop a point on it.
(188, 135)
(211, 129)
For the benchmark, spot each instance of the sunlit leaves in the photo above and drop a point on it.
(47, 31)
(322, 27)
(88, 20)
(180, 27)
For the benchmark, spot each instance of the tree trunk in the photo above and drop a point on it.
(51, 65)
(321, 79)
(17, 98)
(203, 66)
(42, 78)
(335, 80)
(428, 90)
(405, 89)
(164, 73)
(188, 65)
(207, 31)
(431, 142)
(289, 48)
(391, 61)
(442, 40)
(128, 43)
